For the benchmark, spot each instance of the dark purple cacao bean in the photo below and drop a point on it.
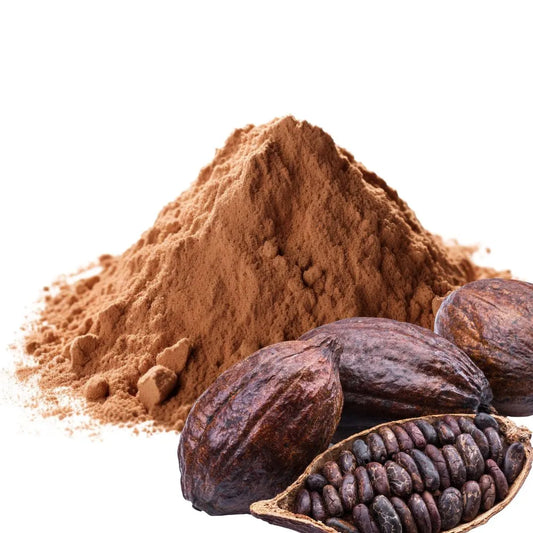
(434, 515)
(420, 513)
(450, 506)
(471, 500)
(406, 517)
(389, 439)
(455, 464)
(484, 421)
(440, 464)
(407, 462)
(502, 487)
(303, 502)
(495, 445)
(365, 492)
(386, 516)
(427, 469)
(404, 440)
(318, 509)
(514, 461)
(340, 525)
(361, 452)
(332, 472)
(378, 478)
(347, 462)
(348, 492)
(415, 434)
(453, 424)
(472, 458)
(399, 479)
(428, 431)
(332, 501)
(363, 520)
(316, 482)
(466, 424)
(482, 442)
(488, 492)
(444, 432)
(375, 444)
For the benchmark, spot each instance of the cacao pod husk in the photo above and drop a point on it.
(491, 320)
(259, 424)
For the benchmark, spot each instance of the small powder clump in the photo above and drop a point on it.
(282, 232)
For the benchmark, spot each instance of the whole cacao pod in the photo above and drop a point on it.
(395, 369)
(259, 425)
(491, 320)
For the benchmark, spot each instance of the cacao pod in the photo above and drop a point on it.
(259, 424)
(491, 320)
(393, 369)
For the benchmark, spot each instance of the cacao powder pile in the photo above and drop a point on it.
(282, 232)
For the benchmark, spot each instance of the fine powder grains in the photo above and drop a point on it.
(282, 232)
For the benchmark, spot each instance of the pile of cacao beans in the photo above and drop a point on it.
(263, 421)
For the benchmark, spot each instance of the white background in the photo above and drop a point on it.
(108, 110)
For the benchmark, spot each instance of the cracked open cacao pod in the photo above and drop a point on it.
(392, 370)
(491, 320)
(259, 424)
(400, 507)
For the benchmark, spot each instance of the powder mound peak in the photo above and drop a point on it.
(283, 231)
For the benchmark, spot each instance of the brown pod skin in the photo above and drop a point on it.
(444, 433)
(427, 469)
(419, 371)
(484, 421)
(332, 501)
(378, 478)
(341, 525)
(386, 516)
(332, 472)
(440, 464)
(472, 458)
(514, 460)
(418, 507)
(466, 424)
(259, 424)
(482, 443)
(400, 481)
(404, 440)
(405, 514)
(491, 321)
(502, 487)
(365, 492)
(495, 445)
(318, 509)
(434, 515)
(375, 444)
(450, 506)
(454, 425)
(488, 492)
(363, 520)
(389, 439)
(455, 464)
(428, 431)
(407, 462)
(347, 462)
(303, 502)
(316, 482)
(471, 500)
(415, 434)
(348, 492)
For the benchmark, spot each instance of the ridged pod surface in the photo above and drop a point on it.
(491, 320)
(395, 369)
(259, 424)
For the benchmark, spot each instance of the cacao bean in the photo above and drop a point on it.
(332, 501)
(365, 492)
(484, 421)
(284, 400)
(348, 492)
(332, 472)
(407, 462)
(375, 444)
(455, 464)
(515, 457)
(450, 506)
(444, 433)
(316, 482)
(318, 509)
(453, 424)
(488, 492)
(415, 434)
(482, 443)
(399, 479)
(386, 516)
(404, 440)
(472, 458)
(341, 525)
(420, 513)
(361, 452)
(389, 439)
(440, 464)
(303, 502)
(427, 469)
(378, 478)
(491, 321)
(347, 462)
(434, 515)
(466, 424)
(427, 430)
(419, 371)
(495, 445)
(471, 500)
(502, 487)
(363, 520)
(406, 517)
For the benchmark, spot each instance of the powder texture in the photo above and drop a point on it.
(282, 232)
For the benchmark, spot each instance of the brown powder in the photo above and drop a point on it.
(282, 232)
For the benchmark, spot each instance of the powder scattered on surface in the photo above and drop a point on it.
(282, 232)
